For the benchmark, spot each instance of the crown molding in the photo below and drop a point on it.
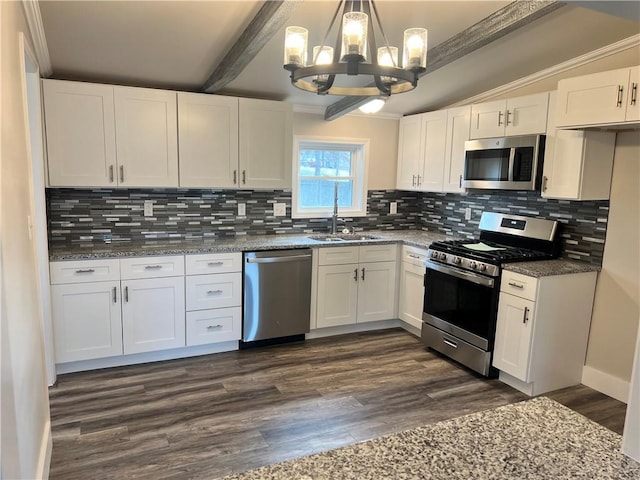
(612, 49)
(319, 110)
(38, 38)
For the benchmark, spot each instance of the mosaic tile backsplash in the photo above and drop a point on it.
(82, 216)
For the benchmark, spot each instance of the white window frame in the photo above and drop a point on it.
(360, 149)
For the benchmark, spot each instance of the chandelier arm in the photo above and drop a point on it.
(373, 51)
(384, 90)
(326, 35)
(384, 37)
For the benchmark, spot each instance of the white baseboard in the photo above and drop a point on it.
(606, 383)
(46, 446)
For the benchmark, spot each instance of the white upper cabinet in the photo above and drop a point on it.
(147, 137)
(606, 98)
(458, 124)
(81, 140)
(435, 134)
(515, 116)
(208, 146)
(266, 139)
(410, 152)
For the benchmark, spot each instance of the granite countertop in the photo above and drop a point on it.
(548, 268)
(242, 243)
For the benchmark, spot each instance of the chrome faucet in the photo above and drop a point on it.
(334, 218)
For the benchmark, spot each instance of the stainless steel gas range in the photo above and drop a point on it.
(462, 284)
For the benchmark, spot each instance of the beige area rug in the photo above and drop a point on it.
(535, 439)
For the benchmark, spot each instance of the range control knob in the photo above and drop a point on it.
(457, 260)
(434, 254)
(443, 256)
(473, 265)
(483, 267)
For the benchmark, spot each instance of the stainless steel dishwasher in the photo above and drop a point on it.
(277, 294)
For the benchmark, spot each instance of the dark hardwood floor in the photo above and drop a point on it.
(205, 417)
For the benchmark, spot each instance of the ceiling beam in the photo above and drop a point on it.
(270, 18)
(509, 18)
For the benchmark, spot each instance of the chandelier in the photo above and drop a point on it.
(332, 70)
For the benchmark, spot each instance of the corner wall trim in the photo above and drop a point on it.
(46, 447)
(606, 383)
(36, 28)
(600, 53)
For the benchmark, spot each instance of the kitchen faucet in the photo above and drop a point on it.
(334, 218)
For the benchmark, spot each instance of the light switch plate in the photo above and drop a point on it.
(242, 209)
(279, 209)
(393, 208)
(148, 208)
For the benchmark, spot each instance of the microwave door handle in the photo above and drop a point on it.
(512, 162)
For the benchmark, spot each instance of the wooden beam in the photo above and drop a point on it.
(509, 18)
(270, 18)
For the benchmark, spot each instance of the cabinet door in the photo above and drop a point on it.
(514, 332)
(527, 115)
(266, 139)
(86, 320)
(488, 119)
(376, 291)
(153, 314)
(208, 134)
(337, 295)
(81, 141)
(563, 164)
(435, 135)
(593, 99)
(410, 152)
(633, 103)
(458, 124)
(411, 294)
(147, 133)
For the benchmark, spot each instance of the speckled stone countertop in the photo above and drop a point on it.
(537, 439)
(242, 243)
(548, 268)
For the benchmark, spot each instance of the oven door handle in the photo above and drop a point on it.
(471, 277)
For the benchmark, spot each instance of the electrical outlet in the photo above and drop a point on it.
(393, 208)
(148, 208)
(467, 213)
(242, 209)
(279, 209)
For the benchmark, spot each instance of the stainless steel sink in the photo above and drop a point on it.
(348, 237)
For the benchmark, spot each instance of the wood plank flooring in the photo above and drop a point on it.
(206, 417)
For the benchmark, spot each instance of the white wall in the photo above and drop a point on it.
(24, 397)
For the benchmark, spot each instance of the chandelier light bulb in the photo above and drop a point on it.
(354, 33)
(295, 46)
(415, 48)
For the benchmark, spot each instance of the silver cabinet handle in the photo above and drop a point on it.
(619, 102)
(215, 264)
(211, 327)
(634, 93)
(507, 118)
(355, 274)
(450, 343)
(244, 177)
(110, 173)
(500, 114)
(411, 255)
(545, 181)
(213, 292)
(235, 177)
(413, 180)
(152, 267)
(516, 285)
(288, 258)
(526, 315)
(115, 295)
(363, 274)
(419, 177)
(122, 173)
(460, 182)
(126, 294)
(86, 270)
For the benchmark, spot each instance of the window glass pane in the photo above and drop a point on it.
(317, 163)
(319, 193)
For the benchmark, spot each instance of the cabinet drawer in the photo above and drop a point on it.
(214, 291)
(378, 253)
(338, 255)
(84, 271)
(413, 255)
(152, 267)
(211, 326)
(519, 285)
(213, 263)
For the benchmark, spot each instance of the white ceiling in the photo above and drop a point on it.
(177, 44)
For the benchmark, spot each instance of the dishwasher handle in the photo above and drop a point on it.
(290, 258)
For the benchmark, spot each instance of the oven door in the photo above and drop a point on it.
(461, 303)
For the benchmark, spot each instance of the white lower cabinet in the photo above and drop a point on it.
(350, 291)
(542, 330)
(411, 297)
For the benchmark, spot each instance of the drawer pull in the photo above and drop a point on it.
(86, 270)
(152, 267)
(516, 285)
(450, 343)
(525, 317)
(215, 264)
(411, 255)
(211, 327)
(213, 292)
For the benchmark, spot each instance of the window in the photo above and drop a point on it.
(320, 165)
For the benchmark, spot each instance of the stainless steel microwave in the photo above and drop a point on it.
(508, 163)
